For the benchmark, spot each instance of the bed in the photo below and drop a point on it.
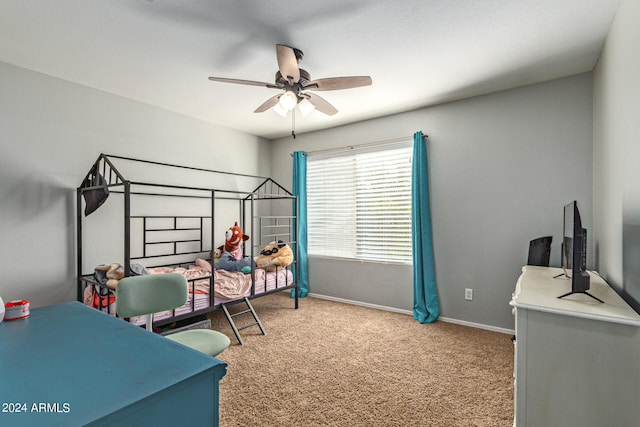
(150, 218)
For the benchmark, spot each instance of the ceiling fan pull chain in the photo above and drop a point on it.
(293, 123)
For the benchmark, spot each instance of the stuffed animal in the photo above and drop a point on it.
(274, 255)
(229, 263)
(231, 258)
(216, 253)
(110, 274)
(234, 237)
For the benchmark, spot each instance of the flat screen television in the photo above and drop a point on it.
(574, 251)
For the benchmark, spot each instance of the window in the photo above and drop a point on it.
(359, 205)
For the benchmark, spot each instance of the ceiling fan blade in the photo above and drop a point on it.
(337, 83)
(268, 104)
(244, 82)
(320, 104)
(287, 62)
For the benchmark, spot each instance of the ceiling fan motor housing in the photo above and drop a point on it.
(305, 78)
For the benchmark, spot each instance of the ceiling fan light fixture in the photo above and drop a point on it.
(288, 100)
(279, 110)
(306, 107)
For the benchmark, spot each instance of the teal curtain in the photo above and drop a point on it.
(426, 306)
(300, 190)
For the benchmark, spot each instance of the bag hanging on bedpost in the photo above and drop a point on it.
(95, 197)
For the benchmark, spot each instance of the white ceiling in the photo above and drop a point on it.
(418, 52)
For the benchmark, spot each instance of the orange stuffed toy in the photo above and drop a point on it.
(233, 240)
(231, 259)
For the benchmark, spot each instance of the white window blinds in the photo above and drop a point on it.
(359, 205)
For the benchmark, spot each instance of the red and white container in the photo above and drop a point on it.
(17, 309)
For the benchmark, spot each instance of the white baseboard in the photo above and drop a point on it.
(410, 313)
(478, 325)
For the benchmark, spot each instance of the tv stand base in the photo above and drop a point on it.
(580, 292)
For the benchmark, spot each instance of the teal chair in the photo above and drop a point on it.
(148, 294)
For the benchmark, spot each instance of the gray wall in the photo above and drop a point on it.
(51, 133)
(616, 140)
(501, 167)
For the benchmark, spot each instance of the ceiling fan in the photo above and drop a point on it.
(296, 85)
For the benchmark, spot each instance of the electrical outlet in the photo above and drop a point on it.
(468, 294)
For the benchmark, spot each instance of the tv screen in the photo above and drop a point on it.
(567, 240)
(574, 251)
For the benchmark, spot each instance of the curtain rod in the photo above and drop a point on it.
(367, 144)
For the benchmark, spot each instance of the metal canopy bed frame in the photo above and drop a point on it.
(158, 228)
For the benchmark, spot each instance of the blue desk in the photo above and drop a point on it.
(71, 365)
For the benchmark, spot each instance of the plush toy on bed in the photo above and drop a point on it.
(110, 274)
(274, 255)
(234, 237)
(216, 253)
(231, 258)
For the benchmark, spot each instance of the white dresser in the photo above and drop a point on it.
(577, 361)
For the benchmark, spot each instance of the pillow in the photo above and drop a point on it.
(204, 264)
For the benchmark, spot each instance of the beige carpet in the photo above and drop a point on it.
(333, 364)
